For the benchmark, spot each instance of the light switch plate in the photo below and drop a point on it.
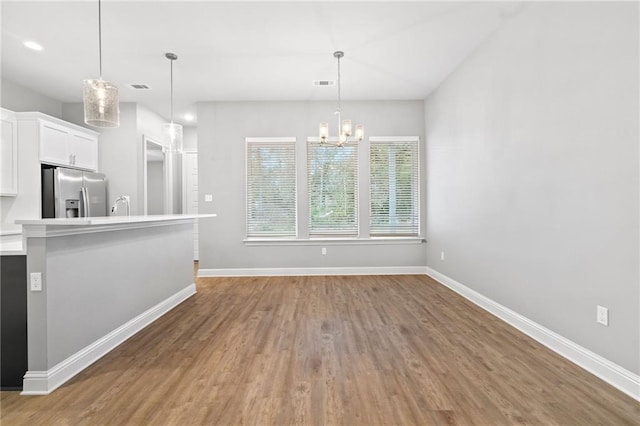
(208, 198)
(602, 315)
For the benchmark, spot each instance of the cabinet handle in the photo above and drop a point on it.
(70, 158)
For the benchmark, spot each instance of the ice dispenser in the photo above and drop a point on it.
(72, 207)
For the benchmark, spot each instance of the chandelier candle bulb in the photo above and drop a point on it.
(346, 127)
(324, 131)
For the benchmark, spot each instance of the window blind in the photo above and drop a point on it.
(271, 187)
(333, 189)
(394, 186)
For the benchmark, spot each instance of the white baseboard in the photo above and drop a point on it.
(274, 272)
(625, 380)
(45, 382)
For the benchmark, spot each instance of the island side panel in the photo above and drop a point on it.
(99, 281)
(37, 307)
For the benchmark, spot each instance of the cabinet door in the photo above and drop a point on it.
(53, 144)
(84, 151)
(8, 154)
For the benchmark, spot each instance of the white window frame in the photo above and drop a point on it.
(270, 141)
(330, 234)
(304, 237)
(390, 140)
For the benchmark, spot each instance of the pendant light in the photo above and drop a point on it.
(172, 131)
(344, 126)
(100, 98)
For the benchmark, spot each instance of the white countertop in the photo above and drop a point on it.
(86, 225)
(109, 220)
(12, 244)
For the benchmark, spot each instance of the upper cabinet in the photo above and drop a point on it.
(60, 143)
(63, 145)
(8, 154)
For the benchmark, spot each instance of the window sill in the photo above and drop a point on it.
(331, 241)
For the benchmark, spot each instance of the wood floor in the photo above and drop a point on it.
(366, 350)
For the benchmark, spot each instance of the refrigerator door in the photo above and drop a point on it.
(67, 186)
(95, 194)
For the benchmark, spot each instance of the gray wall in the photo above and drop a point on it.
(533, 172)
(222, 129)
(120, 150)
(18, 98)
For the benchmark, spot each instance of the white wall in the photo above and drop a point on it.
(222, 129)
(190, 139)
(533, 172)
(155, 187)
(20, 99)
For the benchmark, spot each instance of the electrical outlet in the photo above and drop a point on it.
(208, 198)
(36, 281)
(324, 251)
(441, 255)
(602, 315)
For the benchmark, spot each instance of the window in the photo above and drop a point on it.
(394, 186)
(271, 187)
(333, 189)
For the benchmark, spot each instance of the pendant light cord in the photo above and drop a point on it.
(339, 97)
(100, 36)
(171, 90)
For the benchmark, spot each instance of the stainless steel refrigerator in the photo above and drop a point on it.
(73, 193)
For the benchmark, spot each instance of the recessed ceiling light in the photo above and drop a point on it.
(189, 117)
(33, 45)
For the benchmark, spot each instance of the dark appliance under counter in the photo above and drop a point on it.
(13, 321)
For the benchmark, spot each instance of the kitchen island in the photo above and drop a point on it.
(94, 282)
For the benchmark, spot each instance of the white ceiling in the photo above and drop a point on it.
(243, 50)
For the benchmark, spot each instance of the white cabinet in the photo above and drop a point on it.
(68, 145)
(8, 154)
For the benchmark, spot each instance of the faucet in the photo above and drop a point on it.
(121, 199)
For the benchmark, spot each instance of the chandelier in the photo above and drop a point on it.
(172, 131)
(99, 97)
(344, 126)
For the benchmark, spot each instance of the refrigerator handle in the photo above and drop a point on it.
(85, 202)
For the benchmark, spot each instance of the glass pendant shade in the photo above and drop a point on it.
(172, 133)
(101, 103)
(359, 132)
